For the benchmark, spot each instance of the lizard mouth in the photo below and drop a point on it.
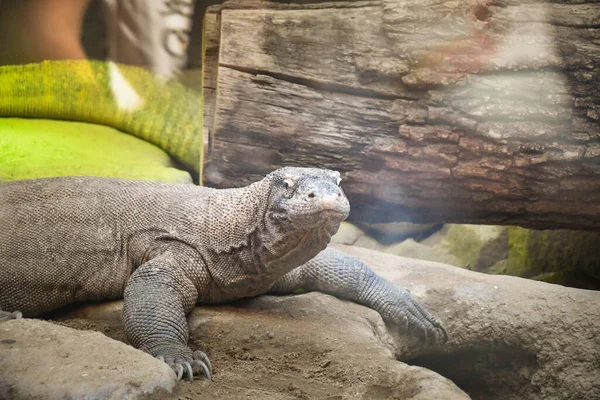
(329, 214)
(323, 218)
(328, 219)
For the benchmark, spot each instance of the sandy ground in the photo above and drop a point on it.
(276, 348)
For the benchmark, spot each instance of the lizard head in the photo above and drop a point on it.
(305, 207)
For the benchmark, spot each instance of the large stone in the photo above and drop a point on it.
(510, 338)
(476, 247)
(307, 346)
(383, 237)
(45, 361)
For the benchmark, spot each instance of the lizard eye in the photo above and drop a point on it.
(288, 183)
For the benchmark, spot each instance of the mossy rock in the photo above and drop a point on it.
(573, 278)
(570, 258)
(558, 256)
(476, 247)
(37, 148)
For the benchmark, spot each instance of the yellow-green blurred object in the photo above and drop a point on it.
(127, 98)
(37, 148)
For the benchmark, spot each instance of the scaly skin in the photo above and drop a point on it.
(165, 248)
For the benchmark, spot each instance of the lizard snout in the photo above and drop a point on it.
(329, 200)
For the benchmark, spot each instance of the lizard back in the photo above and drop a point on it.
(65, 239)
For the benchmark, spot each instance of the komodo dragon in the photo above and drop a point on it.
(166, 247)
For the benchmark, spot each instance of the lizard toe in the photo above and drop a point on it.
(443, 333)
(183, 369)
(200, 355)
(178, 368)
(431, 328)
(188, 365)
(188, 369)
(410, 316)
(202, 368)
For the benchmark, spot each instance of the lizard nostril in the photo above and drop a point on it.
(311, 195)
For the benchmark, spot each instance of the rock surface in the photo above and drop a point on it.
(566, 257)
(510, 338)
(307, 346)
(476, 247)
(41, 360)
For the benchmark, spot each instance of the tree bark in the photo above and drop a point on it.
(211, 35)
(468, 112)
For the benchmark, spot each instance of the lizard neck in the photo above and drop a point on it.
(280, 246)
(254, 243)
(235, 216)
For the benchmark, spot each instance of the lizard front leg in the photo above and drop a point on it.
(342, 275)
(158, 296)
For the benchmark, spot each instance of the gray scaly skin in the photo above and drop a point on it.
(165, 248)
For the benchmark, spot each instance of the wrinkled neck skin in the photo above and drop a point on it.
(258, 246)
(285, 240)
(287, 246)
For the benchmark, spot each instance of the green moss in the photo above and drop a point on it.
(573, 278)
(35, 148)
(563, 250)
(518, 260)
(463, 243)
(475, 246)
(553, 253)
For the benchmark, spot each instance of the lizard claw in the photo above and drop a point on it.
(430, 324)
(205, 369)
(179, 371)
(409, 314)
(404, 323)
(186, 364)
(202, 359)
(188, 369)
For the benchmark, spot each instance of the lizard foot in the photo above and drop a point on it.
(409, 314)
(5, 315)
(186, 363)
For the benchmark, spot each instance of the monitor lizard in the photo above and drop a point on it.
(166, 247)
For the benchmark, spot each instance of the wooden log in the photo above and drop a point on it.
(468, 112)
(211, 35)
